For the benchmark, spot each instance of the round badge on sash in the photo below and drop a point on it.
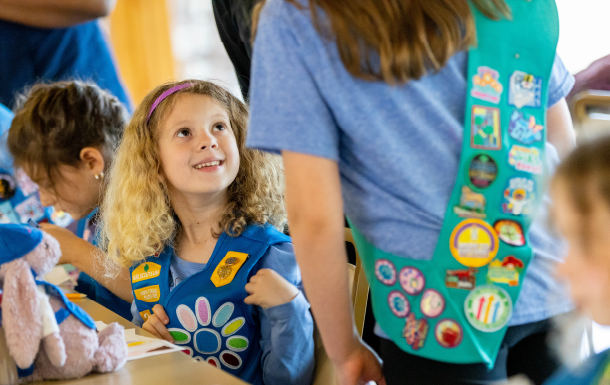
(412, 280)
(483, 171)
(474, 243)
(398, 304)
(385, 272)
(510, 232)
(432, 303)
(7, 186)
(488, 308)
(448, 333)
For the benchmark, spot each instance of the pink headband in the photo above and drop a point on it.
(165, 95)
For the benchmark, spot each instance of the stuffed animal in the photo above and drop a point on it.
(48, 336)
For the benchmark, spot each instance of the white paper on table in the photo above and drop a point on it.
(140, 346)
(59, 276)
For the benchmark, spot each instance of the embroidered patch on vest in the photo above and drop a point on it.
(488, 308)
(228, 268)
(145, 314)
(147, 270)
(474, 243)
(448, 333)
(432, 303)
(148, 293)
(485, 128)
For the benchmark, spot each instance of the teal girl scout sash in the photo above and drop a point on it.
(456, 307)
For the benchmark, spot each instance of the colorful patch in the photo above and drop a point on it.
(7, 214)
(385, 272)
(411, 280)
(505, 271)
(207, 341)
(488, 308)
(510, 232)
(398, 304)
(448, 333)
(8, 186)
(519, 196)
(223, 314)
(524, 130)
(230, 359)
(227, 268)
(483, 171)
(145, 314)
(472, 204)
(187, 318)
(25, 183)
(213, 361)
(147, 270)
(180, 336)
(148, 293)
(525, 90)
(415, 331)
(432, 303)
(473, 243)
(486, 133)
(233, 327)
(188, 351)
(30, 209)
(526, 159)
(461, 279)
(485, 85)
(237, 343)
(202, 308)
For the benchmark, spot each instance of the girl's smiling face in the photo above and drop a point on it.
(587, 264)
(197, 146)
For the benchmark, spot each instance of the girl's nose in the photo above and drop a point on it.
(211, 145)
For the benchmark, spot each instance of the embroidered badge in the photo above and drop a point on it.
(472, 204)
(398, 304)
(519, 196)
(7, 214)
(203, 311)
(461, 279)
(473, 243)
(30, 209)
(228, 268)
(145, 314)
(147, 270)
(412, 280)
(525, 90)
(148, 293)
(432, 303)
(385, 272)
(483, 171)
(506, 271)
(448, 333)
(510, 232)
(25, 183)
(524, 129)
(488, 308)
(7, 186)
(485, 85)
(525, 159)
(415, 331)
(486, 134)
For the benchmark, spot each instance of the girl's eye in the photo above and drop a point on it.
(184, 132)
(219, 127)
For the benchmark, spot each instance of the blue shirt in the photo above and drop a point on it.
(585, 374)
(398, 147)
(286, 330)
(6, 117)
(29, 55)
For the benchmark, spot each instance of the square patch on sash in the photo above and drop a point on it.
(485, 128)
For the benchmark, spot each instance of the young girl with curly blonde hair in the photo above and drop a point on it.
(197, 217)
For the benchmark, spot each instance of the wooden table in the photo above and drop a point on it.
(167, 369)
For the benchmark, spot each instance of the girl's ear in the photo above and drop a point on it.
(93, 160)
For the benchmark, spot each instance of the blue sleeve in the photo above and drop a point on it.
(560, 83)
(137, 318)
(287, 110)
(6, 117)
(286, 330)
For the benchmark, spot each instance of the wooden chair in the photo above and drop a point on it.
(591, 114)
(325, 372)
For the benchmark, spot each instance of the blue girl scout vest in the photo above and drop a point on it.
(456, 307)
(207, 313)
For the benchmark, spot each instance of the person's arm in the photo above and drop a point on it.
(54, 13)
(315, 213)
(560, 131)
(594, 77)
(83, 255)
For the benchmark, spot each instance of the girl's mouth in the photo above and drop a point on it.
(207, 165)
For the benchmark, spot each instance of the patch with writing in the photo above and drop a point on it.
(483, 171)
(146, 270)
(473, 243)
(505, 271)
(472, 204)
(526, 159)
(524, 129)
(519, 196)
(485, 128)
(525, 90)
(461, 279)
(486, 85)
(148, 293)
(488, 308)
(145, 314)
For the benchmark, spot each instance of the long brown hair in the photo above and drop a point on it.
(396, 40)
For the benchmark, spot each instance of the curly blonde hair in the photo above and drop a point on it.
(137, 216)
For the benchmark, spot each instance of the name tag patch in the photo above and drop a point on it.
(147, 270)
(148, 293)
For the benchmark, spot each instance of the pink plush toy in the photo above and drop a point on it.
(48, 336)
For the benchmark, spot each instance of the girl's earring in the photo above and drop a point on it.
(99, 176)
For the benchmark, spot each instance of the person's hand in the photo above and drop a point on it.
(155, 324)
(594, 77)
(268, 289)
(361, 367)
(72, 247)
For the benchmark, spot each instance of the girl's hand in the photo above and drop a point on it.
(268, 289)
(360, 367)
(155, 324)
